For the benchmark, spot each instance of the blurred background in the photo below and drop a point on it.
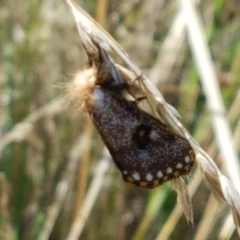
(50, 153)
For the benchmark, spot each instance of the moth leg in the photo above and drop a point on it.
(140, 99)
(131, 82)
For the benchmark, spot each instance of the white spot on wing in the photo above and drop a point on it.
(125, 172)
(159, 174)
(179, 166)
(169, 170)
(154, 135)
(149, 177)
(136, 176)
(187, 159)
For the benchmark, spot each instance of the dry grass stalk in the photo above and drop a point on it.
(23, 128)
(54, 210)
(91, 197)
(6, 227)
(227, 230)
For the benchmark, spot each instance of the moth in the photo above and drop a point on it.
(143, 148)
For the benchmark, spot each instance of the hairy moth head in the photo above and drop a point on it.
(79, 90)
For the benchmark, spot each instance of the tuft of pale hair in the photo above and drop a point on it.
(79, 90)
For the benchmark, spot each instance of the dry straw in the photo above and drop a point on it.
(222, 189)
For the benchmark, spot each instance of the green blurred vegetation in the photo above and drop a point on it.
(39, 52)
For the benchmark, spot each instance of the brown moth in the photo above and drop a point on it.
(143, 148)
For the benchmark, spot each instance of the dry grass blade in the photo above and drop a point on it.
(219, 185)
(184, 198)
(6, 227)
(171, 48)
(176, 213)
(64, 185)
(211, 89)
(211, 175)
(22, 129)
(54, 210)
(90, 198)
(227, 229)
(232, 197)
(205, 227)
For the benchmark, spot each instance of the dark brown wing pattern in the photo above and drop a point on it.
(146, 152)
